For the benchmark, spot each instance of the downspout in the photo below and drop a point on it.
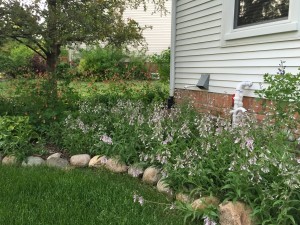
(238, 102)
(172, 60)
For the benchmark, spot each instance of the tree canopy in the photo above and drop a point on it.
(46, 25)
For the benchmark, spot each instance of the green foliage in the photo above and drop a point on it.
(104, 114)
(112, 64)
(31, 99)
(198, 154)
(284, 92)
(15, 59)
(17, 136)
(163, 62)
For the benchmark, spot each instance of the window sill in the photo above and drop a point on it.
(261, 30)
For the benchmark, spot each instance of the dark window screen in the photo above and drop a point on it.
(250, 12)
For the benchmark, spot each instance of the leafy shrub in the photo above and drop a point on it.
(284, 92)
(111, 64)
(17, 136)
(163, 62)
(16, 60)
(31, 99)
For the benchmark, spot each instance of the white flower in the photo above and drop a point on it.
(106, 139)
(141, 200)
(249, 144)
(208, 221)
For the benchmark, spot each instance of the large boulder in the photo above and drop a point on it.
(33, 161)
(58, 163)
(81, 160)
(98, 161)
(10, 160)
(204, 202)
(116, 166)
(235, 214)
(151, 175)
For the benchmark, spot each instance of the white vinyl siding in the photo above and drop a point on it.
(159, 37)
(199, 50)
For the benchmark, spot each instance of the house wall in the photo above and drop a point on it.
(159, 37)
(199, 49)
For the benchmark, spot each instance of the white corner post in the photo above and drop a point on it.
(172, 60)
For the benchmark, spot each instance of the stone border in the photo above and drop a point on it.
(230, 213)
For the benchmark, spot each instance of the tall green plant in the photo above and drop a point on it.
(283, 91)
(112, 64)
(17, 136)
(163, 62)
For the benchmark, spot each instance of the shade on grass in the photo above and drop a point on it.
(34, 196)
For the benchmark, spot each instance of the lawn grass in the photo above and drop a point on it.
(84, 88)
(36, 196)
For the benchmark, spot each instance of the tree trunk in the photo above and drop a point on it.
(52, 59)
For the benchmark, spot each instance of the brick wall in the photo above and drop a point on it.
(219, 104)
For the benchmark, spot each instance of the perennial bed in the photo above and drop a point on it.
(199, 155)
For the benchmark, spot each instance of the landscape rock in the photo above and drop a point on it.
(116, 166)
(151, 175)
(33, 161)
(54, 155)
(204, 202)
(162, 187)
(135, 171)
(235, 214)
(185, 198)
(98, 161)
(9, 160)
(58, 163)
(81, 160)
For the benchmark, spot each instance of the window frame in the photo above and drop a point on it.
(236, 17)
(230, 33)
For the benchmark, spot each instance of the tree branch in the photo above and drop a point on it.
(22, 42)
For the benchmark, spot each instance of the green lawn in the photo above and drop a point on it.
(8, 88)
(34, 196)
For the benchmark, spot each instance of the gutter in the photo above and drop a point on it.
(172, 60)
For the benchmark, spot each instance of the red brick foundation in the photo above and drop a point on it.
(219, 104)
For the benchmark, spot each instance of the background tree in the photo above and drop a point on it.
(45, 26)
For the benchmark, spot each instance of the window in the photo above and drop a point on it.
(252, 18)
(251, 12)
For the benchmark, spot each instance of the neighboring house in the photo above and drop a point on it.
(233, 41)
(159, 37)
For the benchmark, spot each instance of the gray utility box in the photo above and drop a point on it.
(203, 82)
